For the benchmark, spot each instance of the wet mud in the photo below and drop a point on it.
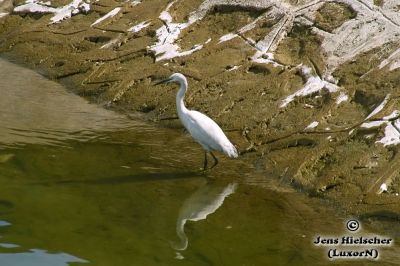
(308, 90)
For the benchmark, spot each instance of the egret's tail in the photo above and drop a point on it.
(231, 151)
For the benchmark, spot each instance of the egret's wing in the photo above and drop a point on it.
(205, 131)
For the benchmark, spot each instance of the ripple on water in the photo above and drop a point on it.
(35, 110)
(37, 257)
(34, 257)
(4, 223)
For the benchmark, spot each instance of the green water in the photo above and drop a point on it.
(80, 185)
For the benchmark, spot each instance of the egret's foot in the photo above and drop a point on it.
(205, 162)
(215, 161)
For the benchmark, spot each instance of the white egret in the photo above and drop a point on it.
(202, 128)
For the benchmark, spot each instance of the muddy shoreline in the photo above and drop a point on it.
(300, 107)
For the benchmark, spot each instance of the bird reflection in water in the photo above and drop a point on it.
(206, 200)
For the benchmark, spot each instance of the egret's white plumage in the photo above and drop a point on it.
(202, 128)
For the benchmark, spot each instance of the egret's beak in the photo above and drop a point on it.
(163, 81)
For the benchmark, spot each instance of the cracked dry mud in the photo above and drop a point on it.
(308, 90)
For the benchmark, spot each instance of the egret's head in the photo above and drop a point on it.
(176, 77)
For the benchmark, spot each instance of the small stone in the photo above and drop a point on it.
(383, 188)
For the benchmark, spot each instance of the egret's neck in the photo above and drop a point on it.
(180, 105)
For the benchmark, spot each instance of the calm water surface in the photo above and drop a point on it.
(80, 185)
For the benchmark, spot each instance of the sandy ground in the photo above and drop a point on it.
(308, 90)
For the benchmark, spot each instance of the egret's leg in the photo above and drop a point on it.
(215, 160)
(205, 161)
